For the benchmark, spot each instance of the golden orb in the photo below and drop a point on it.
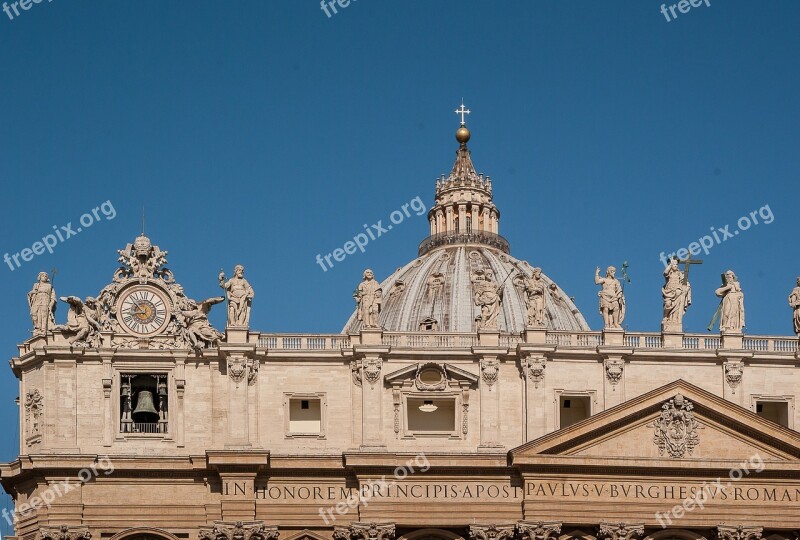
(462, 135)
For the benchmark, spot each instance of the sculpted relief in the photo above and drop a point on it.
(143, 307)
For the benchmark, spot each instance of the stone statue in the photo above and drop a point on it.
(82, 326)
(488, 295)
(612, 299)
(199, 331)
(42, 302)
(240, 297)
(677, 294)
(732, 308)
(369, 296)
(794, 302)
(535, 288)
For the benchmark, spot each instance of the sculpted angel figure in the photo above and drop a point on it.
(199, 331)
(612, 299)
(794, 302)
(535, 288)
(732, 309)
(42, 302)
(81, 321)
(677, 294)
(240, 297)
(488, 295)
(369, 297)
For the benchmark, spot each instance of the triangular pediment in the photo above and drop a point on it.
(431, 376)
(697, 428)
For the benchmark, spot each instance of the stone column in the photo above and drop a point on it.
(462, 218)
(65, 393)
(614, 378)
(109, 422)
(533, 364)
(489, 389)
(475, 218)
(176, 419)
(369, 357)
(450, 224)
(241, 371)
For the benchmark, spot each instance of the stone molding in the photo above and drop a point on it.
(239, 530)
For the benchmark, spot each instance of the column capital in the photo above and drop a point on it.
(365, 531)
(619, 531)
(492, 532)
(732, 532)
(538, 530)
(238, 530)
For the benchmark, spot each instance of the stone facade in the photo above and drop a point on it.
(164, 428)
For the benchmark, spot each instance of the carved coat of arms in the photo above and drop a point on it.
(676, 428)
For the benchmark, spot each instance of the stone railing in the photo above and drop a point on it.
(474, 237)
(574, 339)
(304, 342)
(413, 340)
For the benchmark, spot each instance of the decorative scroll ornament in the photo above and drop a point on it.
(533, 368)
(728, 532)
(355, 371)
(365, 531)
(239, 368)
(372, 369)
(464, 418)
(614, 370)
(431, 385)
(538, 530)
(491, 532)
(619, 531)
(490, 370)
(676, 428)
(34, 407)
(239, 530)
(64, 533)
(733, 373)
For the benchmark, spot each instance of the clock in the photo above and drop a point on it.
(144, 310)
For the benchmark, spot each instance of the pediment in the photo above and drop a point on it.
(679, 423)
(431, 376)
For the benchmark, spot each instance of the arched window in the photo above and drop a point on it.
(469, 224)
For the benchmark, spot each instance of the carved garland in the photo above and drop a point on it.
(619, 531)
(64, 533)
(727, 532)
(239, 530)
(538, 530)
(491, 532)
(34, 406)
(365, 531)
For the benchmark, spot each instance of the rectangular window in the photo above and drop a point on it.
(305, 415)
(774, 411)
(431, 416)
(573, 409)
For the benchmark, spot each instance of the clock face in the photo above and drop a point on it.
(143, 310)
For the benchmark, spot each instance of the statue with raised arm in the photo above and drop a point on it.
(240, 297)
(677, 295)
(83, 327)
(612, 299)
(535, 288)
(42, 302)
(199, 331)
(732, 308)
(488, 296)
(369, 297)
(794, 302)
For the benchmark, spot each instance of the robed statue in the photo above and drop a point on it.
(794, 302)
(677, 295)
(612, 298)
(42, 301)
(240, 297)
(732, 308)
(369, 298)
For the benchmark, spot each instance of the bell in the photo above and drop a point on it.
(145, 410)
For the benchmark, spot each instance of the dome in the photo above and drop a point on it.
(434, 292)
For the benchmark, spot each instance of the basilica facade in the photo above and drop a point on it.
(465, 398)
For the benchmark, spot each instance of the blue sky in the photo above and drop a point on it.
(263, 132)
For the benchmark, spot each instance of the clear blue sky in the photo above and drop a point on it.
(264, 132)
